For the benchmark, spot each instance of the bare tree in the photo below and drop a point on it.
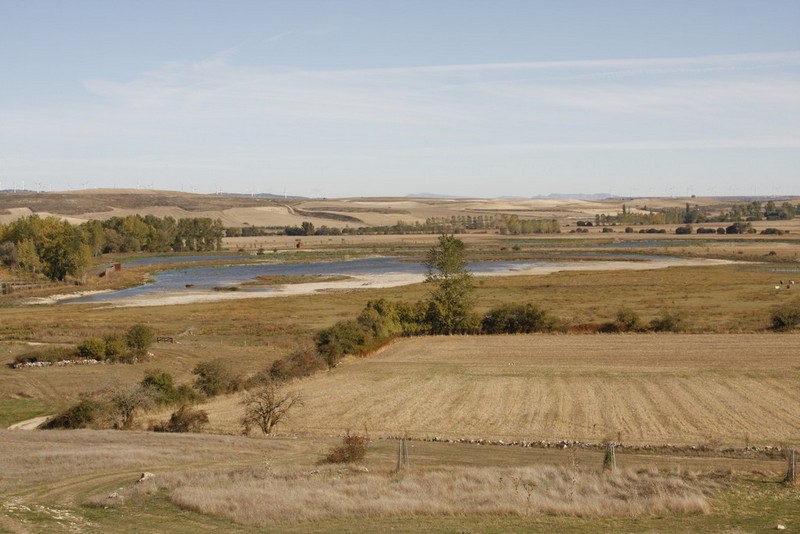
(266, 407)
(126, 400)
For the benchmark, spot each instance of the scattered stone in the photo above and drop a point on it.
(145, 476)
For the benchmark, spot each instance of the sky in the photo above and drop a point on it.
(343, 98)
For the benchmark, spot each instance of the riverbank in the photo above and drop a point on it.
(371, 281)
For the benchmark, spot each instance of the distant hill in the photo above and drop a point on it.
(275, 211)
(551, 196)
(432, 195)
(578, 196)
(264, 195)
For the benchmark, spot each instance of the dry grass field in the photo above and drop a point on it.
(718, 390)
(85, 481)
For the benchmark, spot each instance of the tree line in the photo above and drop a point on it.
(741, 212)
(456, 224)
(56, 249)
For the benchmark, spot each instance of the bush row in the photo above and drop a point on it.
(126, 347)
(628, 320)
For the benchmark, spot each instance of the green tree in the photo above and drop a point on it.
(27, 258)
(380, 319)
(449, 307)
(308, 228)
(60, 248)
(139, 337)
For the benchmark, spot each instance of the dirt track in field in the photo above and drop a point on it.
(656, 389)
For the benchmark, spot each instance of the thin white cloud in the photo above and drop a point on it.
(636, 65)
(691, 144)
(213, 118)
(427, 95)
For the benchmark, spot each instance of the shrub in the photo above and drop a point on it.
(160, 386)
(139, 337)
(628, 230)
(380, 319)
(297, 365)
(92, 347)
(116, 346)
(82, 415)
(669, 322)
(353, 449)
(786, 318)
(213, 378)
(683, 230)
(772, 231)
(739, 228)
(344, 337)
(628, 320)
(185, 419)
(517, 318)
(186, 395)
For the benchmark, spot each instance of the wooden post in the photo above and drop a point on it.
(791, 473)
(610, 457)
(402, 455)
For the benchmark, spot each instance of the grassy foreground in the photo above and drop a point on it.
(86, 481)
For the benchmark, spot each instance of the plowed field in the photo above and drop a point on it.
(656, 389)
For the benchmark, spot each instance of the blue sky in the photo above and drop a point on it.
(382, 97)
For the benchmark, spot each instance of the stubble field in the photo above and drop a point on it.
(718, 390)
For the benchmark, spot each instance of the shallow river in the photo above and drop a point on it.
(208, 278)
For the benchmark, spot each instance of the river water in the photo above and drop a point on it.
(210, 278)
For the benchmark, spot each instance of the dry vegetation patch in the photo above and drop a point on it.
(266, 497)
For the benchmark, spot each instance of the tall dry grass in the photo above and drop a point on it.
(266, 497)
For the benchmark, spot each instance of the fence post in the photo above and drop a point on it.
(402, 455)
(610, 457)
(791, 473)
